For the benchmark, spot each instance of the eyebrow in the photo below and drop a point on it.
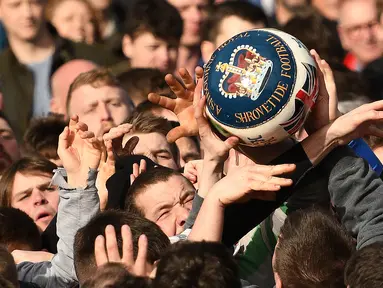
(46, 184)
(160, 151)
(185, 195)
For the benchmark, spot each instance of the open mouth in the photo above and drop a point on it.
(43, 216)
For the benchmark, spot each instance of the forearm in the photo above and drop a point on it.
(319, 144)
(209, 223)
(212, 172)
(76, 208)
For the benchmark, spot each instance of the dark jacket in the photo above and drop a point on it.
(17, 84)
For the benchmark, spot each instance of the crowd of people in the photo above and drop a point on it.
(112, 176)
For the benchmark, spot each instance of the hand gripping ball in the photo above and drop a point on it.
(260, 86)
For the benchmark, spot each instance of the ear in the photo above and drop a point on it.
(278, 282)
(207, 49)
(127, 45)
(343, 38)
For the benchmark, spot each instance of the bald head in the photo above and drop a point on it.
(63, 78)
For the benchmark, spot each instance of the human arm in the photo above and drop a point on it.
(79, 202)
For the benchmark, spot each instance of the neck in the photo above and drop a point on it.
(263, 155)
(104, 18)
(33, 51)
(188, 57)
(282, 14)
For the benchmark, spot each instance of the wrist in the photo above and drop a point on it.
(78, 179)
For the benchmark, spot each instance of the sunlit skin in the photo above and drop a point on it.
(34, 195)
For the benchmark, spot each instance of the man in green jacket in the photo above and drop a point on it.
(34, 53)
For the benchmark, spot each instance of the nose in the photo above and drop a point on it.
(163, 57)
(39, 197)
(196, 14)
(104, 111)
(27, 8)
(182, 215)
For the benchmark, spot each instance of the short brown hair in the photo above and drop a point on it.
(146, 123)
(26, 166)
(97, 78)
(139, 82)
(313, 250)
(42, 136)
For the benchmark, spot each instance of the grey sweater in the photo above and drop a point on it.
(76, 208)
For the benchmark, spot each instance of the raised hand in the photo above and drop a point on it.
(360, 122)
(79, 151)
(252, 182)
(192, 170)
(137, 170)
(214, 148)
(325, 109)
(116, 134)
(106, 250)
(106, 170)
(182, 106)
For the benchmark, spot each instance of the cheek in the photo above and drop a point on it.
(120, 114)
(167, 226)
(53, 199)
(24, 206)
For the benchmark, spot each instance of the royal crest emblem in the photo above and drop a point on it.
(245, 75)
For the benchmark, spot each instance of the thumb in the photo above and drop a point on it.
(231, 142)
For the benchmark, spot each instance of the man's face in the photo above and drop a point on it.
(155, 147)
(22, 19)
(100, 108)
(188, 150)
(193, 13)
(229, 27)
(359, 29)
(100, 5)
(147, 51)
(33, 195)
(9, 149)
(168, 204)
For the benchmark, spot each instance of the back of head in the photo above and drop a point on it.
(241, 9)
(7, 267)
(197, 264)
(42, 136)
(143, 181)
(312, 250)
(364, 269)
(18, 231)
(157, 17)
(139, 82)
(33, 165)
(316, 35)
(115, 275)
(84, 259)
(63, 78)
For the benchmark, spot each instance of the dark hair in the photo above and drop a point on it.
(18, 231)
(197, 264)
(8, 267)
(157, 17)
(139, 82)
(27, 166)
(219, 12)
(42, 136)
(115, 275)
(142, 182)
(312, 251)
(146, 123)
(84, 260)
(317, 34)
(364, 269)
